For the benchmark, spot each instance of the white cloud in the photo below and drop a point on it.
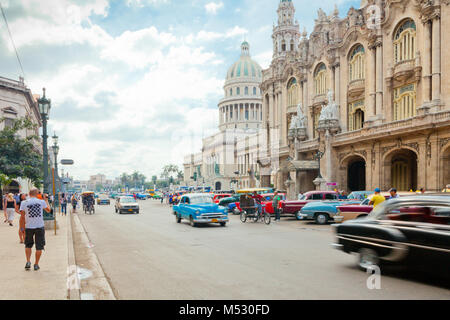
(213, 7)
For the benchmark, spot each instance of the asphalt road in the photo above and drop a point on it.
(150, 256)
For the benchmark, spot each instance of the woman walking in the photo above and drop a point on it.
(22, 198)
(10, 208)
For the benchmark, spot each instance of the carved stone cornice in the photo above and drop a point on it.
(428, 10)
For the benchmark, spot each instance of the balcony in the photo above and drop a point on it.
(395, 128)
(356, 88)
(320, 99)
(404, 70)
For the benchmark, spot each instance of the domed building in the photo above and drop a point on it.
(241, 107)
(226, 160)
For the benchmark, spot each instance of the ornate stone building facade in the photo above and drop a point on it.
(385, 69)
(17, 101)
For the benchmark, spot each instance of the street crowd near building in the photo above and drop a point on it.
(363, 99)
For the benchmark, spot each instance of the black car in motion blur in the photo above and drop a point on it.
(410, 231)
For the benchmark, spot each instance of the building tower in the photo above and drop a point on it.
(286, 35)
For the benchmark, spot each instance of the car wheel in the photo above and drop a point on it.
(368, 258)
(297, 215)
(191, 222)
(178, 218)
(223, 224)
(322, 218)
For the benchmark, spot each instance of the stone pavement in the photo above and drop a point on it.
(50, 282)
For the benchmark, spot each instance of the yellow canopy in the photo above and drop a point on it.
(87, 192)
(252, 190)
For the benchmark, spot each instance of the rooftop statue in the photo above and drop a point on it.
(331, 110)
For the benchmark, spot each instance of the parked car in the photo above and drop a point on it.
(141, 196)
(198, 209)
(268, 201)
(220, 196)
(103, 199)
(126, 204)
(322, 211)
(360, 195)
(229, 203)
(293, 207)
(353, 211)
(409, 231)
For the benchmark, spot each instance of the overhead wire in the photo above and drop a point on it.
(12, 40)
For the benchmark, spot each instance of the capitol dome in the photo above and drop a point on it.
(241, 107)
(245, 67)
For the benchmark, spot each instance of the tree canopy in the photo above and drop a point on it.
(18, 155)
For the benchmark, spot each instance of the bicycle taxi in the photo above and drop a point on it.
(249, 208)
(88, 200)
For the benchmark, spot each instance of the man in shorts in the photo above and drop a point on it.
(33, 209)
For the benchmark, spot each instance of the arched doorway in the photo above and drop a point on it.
(356, 174)
(218, 186)
(403, 169)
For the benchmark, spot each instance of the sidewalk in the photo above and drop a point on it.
(50, 282)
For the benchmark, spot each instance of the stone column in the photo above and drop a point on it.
(436, 60)
(379, 99)
(426, 64)
(337, 83)
(372, 79)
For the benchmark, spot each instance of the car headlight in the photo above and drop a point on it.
(197, 212)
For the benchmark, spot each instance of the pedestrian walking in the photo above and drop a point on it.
(74, 202)
(33, 209)
(22, 198)
(377, 198)
(275, 203)
(393, 193)
(10, 208)
(63, 202)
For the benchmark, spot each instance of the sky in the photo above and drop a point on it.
(135, 84)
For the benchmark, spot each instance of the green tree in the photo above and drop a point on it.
(18, 155)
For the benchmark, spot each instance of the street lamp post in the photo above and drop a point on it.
(44, 105)
(55, 148)
(318, 156)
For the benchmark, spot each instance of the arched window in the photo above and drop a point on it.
(357, 63)
(231, 92)
(283, 45)
(246, 91)
(356, 115)
(404, 102)
(238, 91)
(292, 92)
(254, 91)
(405, 41)
(320, 79)
(292, 45)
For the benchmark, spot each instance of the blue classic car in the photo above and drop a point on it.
(322, 211)
(200, 209)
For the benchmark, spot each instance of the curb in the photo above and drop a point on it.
(99, 283)
(72, 294)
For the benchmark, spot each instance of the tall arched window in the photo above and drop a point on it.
(283, 45)
(246, 91)
(238, 91)
(292, 92)
(404, 102)
(356, 115)
(405, 41)
(254, 91)
(357, 63)
(320, 79)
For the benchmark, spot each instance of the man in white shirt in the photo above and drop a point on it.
(33, 209)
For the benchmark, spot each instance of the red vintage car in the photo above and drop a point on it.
(294, 206)
(220, 196)
(353, 211)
